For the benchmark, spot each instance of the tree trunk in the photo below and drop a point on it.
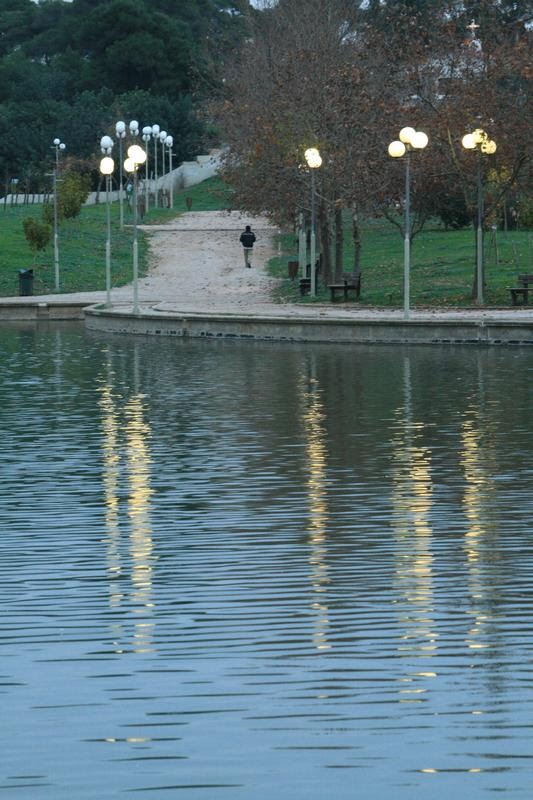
(356, 234)
(325, 238)
(339, 241)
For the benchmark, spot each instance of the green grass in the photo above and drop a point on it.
(442, 266)
(82, 243)
(441, 273)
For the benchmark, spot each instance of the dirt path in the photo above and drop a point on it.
(197, 259)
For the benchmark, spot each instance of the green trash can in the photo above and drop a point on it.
(25, 282)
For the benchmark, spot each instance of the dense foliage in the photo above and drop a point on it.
(72, 69)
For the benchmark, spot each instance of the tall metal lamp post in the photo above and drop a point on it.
(162, 137)
(136, 157)
(169, 141)
(409, 140)
(120, 132)
(314, 161)
(155, 136)
(480, 142)
(59, 146)
(146, 136)
(107, 165)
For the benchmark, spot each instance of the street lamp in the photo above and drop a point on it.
(314, 161)
(169, 141)
(136, 157)
(162, 136)
(409, 140)
(107, 165)
(480, 142)
(155, 134)
(146, 136)
(58, 146)
(120, 132)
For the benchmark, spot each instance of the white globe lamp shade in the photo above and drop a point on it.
(169, 141)
(62, 146)
(134, 127)
(488, 147)
(419, 140)
(479, 135)
(120, 126)
(57, 141)
(107, 165)
(147, 130)
(406, 135)
(106, 142)
(129, 165)
(468, 141)
(155, 130)
(136, 153)
(163, 135)
(313, 158)
(396, 149)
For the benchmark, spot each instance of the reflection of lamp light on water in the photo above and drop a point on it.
(313, 416)
(412, 500)
(141, 545)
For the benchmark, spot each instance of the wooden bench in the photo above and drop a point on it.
(521, 291)
(348, 285)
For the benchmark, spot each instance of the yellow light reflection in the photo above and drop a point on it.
(139, 461)
(412, 501)
(111, 474)
(313, 419)
(479, 484)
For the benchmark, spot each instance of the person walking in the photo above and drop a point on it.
(247, 240)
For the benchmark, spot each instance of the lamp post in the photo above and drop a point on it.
(136, 157)
(120, 132)
(162, 137)
(169, 141)
(409, 140)
(480, 142)
(314, 161)
(107, 165)
(58, 146)
(146, 136)
(155, 134)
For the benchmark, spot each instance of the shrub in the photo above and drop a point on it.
(37, 234)
(72, 191)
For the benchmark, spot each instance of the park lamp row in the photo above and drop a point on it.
(136, 157)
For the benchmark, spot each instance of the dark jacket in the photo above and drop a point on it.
(247, 239)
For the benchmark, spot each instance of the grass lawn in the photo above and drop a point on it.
(442, 266)
(82, 243)
(441, 272)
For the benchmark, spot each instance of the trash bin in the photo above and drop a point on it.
(25, 282)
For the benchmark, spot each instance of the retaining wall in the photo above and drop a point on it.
(298, 329)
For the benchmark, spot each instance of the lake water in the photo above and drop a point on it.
(262, 571)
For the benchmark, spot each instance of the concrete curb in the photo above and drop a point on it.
(310, 327)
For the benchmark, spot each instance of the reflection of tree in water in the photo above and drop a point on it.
(313, 422)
